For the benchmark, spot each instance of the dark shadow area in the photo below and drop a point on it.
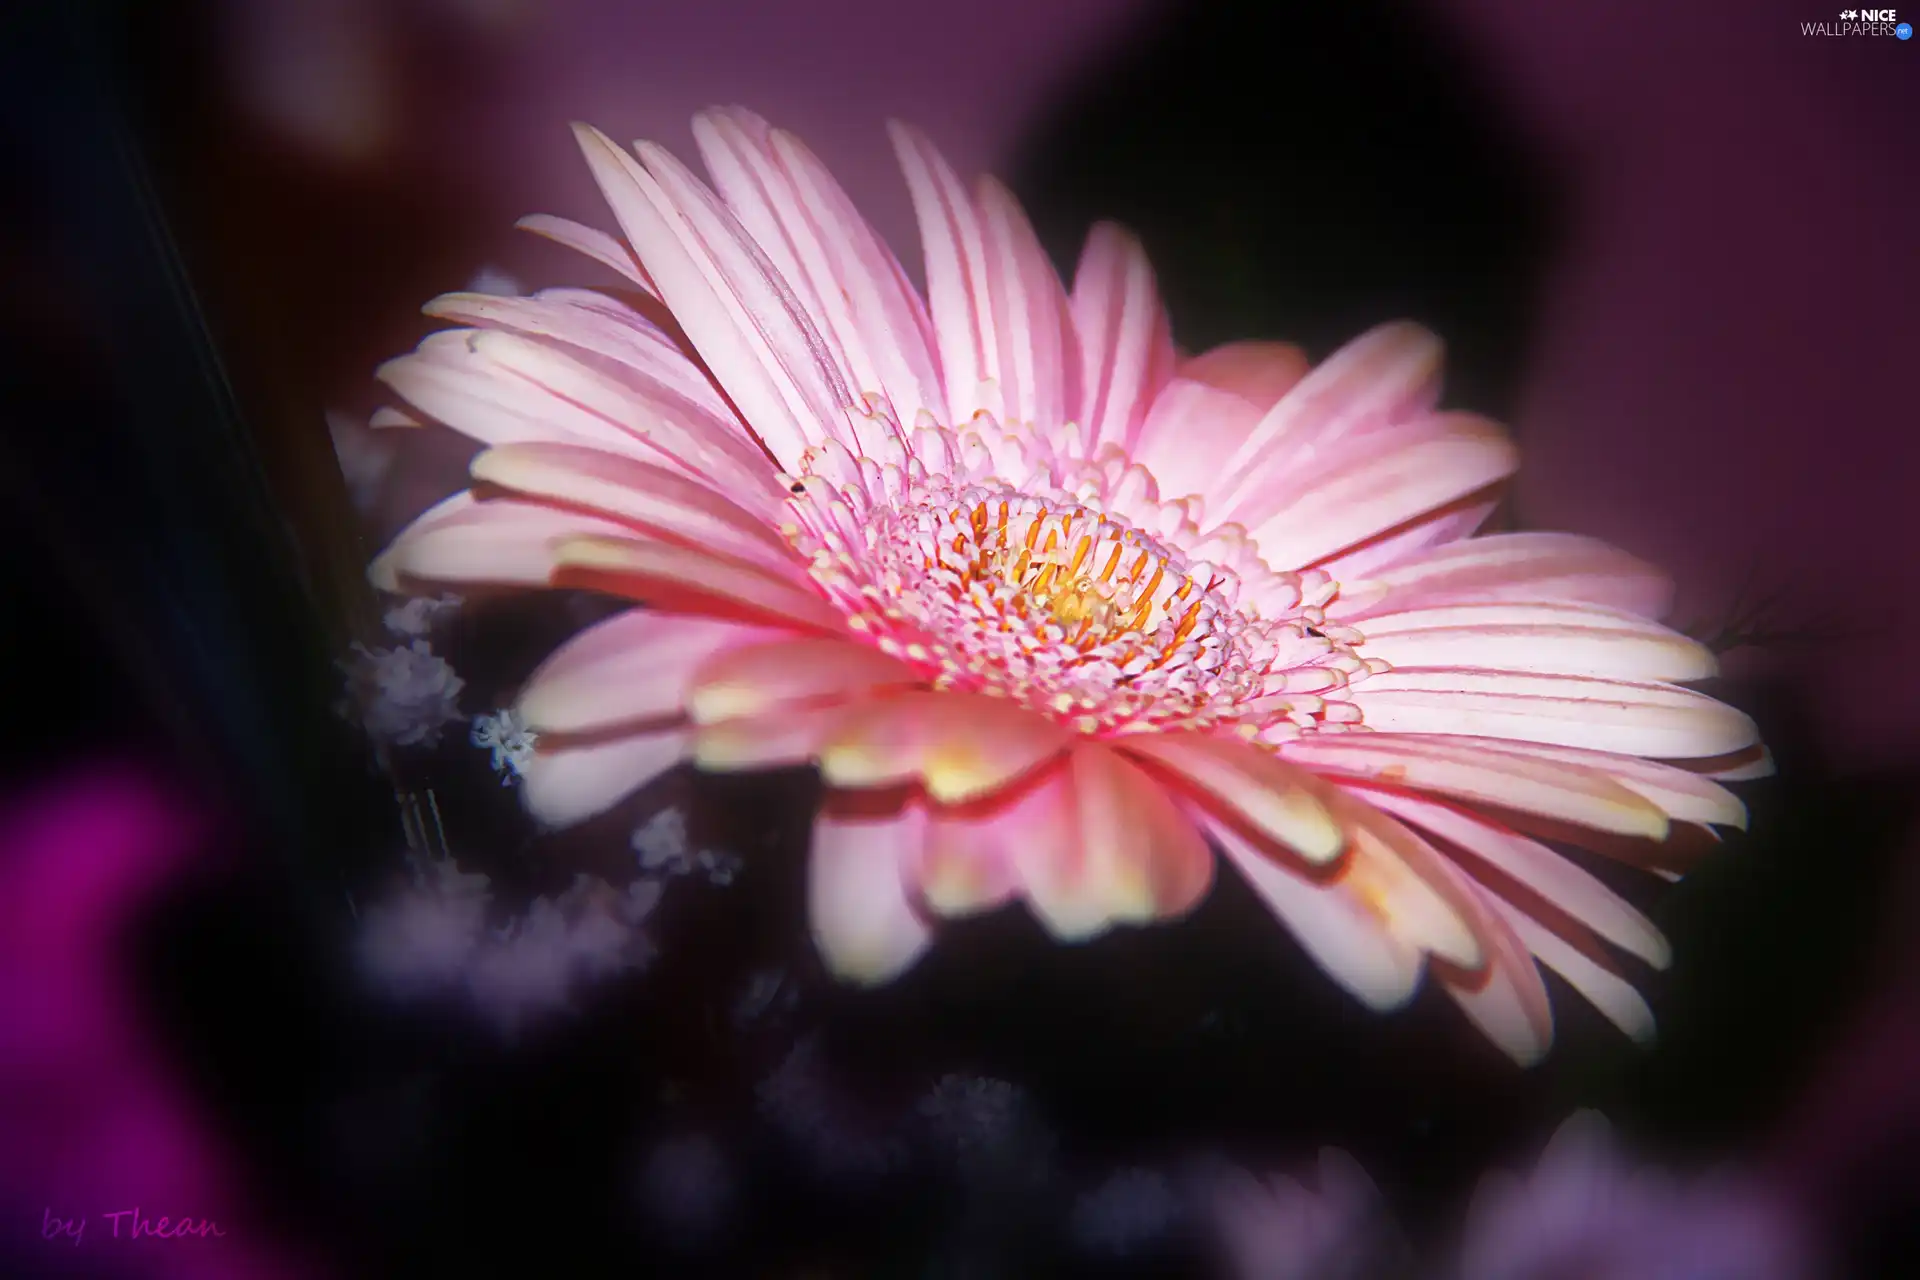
(1304, 172)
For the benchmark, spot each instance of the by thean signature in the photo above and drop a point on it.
(127, 1224)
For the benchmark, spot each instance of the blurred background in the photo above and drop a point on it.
(1673, 246)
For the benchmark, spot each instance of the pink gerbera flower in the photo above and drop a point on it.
(1052, 607)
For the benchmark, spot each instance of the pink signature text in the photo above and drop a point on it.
(127, 1224)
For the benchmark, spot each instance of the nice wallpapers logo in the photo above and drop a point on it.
(1861, 22)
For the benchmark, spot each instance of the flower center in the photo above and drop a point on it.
(1103, 583)
(1063, 607)
(1041, 578)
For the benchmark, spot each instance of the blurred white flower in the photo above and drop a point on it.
(1588, 1211)
(661, 842)
(977, 1117)
(509, 742)
(415, 616)
(433, 936)
(838, 1132)
(1279, 1229)
(1132, 1210)
(532, 964)
(719, 866)
(643, 896)
(425, 936)
(403, 696)
(527, 970)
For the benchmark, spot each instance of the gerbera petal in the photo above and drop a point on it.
(1518, 567)
(1343, 934)
(386, 417)
(967, 865)
(1508, 1002)
(595, 244)
(1464, 767)
(383, 572)
(1501, 991)
(649, 497)
(779, 739)
(961, 306)
(1452, 523)
(676, 417)
(1377, 484)
(887, 311)
(1278, 800)
(611, 392)
(1654, 720)
(960, 745)
(1048, 857)
(677, 579)
(765, 677)
(1413, 888)
(1214, 400)
(751, 337)
(1554, 639)
(633, 667)
(569, 782)
(452, 380)
(500, 543)
(840, 271)
(1682, 795)
(800, 356)
(1124, 336)
(1607, 991)
(864, 921)
(1039, 363)
(1386, 375)
(1535, 867)
(1141, 851)
(1744, 765)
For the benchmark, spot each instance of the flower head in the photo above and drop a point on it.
(1050, 606)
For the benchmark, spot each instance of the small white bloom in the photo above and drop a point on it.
(643, 895)
(661, 843)
(509, 742)
(415, 616)
(404, 695)
(975, 1114)
(720, 867)
(605, 939)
